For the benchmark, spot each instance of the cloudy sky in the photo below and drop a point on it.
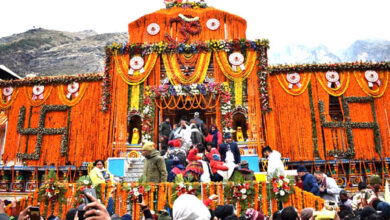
(334, 23)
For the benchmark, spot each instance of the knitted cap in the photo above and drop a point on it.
(148, 146)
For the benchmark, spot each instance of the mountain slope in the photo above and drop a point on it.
(54, 52)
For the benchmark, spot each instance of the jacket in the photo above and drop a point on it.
(210, 138)
(331, 189)
(192, 155)
(178, 169)
(196, 136)
(154, 169)
(200, 125)
(217, 165)
(97, 177)
(223, 148)
(212, 152)
(310, 184)
(165, 129)
(275, 164)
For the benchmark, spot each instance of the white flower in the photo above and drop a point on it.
(136, 193)
(190, 188)
(244, 197)
(181, 185)
(86, 182)
(286, 180)
(282, 193)
(243, 191)
(280, 182)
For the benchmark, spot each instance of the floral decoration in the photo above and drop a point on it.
(194, 47)
(240, 193)
(179, 3)
(40, 131)
(82, 183)
(281, 187)
(52, 190)
(338, 67)
(337, 153)
(47, 80)
(213, 89)
(262, 75)
(185, 188)
(106, 90)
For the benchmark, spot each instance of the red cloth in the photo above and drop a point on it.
(212, 152)
(209, 138)
(217, 165)
(192, 155)
(174, 143)
(207, 202)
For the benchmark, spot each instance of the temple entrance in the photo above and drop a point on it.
(177, 108)
(208, 116)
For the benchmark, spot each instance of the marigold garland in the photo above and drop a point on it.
(151, 199)
(380, 90)
(46, 94)
(7, 104)
(340, 90)
(305, 79)
(212, 191)
(176, 76)
(256, 202)
(228, 71)
(170, 194)
(122, 67)
(264, 198)
(76, 100)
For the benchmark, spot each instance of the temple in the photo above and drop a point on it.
(191, 58)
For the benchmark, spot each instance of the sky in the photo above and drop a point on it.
(334, 23)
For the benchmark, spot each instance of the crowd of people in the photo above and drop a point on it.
(189, 150)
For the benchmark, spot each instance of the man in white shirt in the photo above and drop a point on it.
(275, 163)
(329, 190)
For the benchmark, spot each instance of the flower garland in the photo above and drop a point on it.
(262, 74)
(180, 188)
(352, 125)
(338, 67)
(240, 194)
(148, 114)
(196, 47)
(50, 80)
(106, 84)
(41, 131)
(281, 187)
(52, 191)
(226, 108)
(212, 89)
(82, 183)
(179, 3)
